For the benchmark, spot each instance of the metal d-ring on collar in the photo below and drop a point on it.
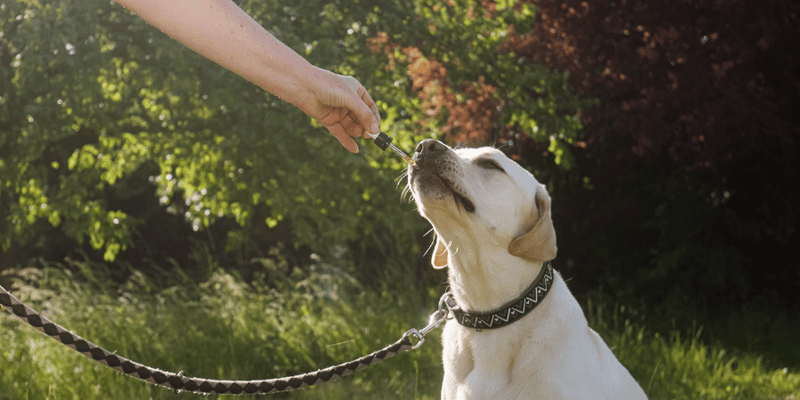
(510, 312)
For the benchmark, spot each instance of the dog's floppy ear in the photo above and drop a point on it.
(538, 243)
(439, 259)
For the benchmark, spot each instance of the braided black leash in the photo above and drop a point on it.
(207, 386)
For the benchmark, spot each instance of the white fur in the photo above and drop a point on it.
(549, 354)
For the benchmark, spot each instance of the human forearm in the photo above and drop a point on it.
(223, 33)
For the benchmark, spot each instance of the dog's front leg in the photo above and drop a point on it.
(482, 385)
(457, 360)
(477, 386)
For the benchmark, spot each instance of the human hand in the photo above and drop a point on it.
(343, 106)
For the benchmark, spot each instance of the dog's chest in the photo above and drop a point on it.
(482, 356)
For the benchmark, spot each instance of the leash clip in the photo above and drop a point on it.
(436, 319)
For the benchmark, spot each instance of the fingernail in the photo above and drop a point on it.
(374, 128)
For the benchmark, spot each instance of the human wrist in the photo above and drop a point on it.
(286, 75)
(312, 84)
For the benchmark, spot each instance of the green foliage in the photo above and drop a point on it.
(220, 328)
(471, 41)
(682, 366)
(98, 109)
(92, 95)
(224, 328)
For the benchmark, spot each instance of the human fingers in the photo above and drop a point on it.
(367, 99)
(341, 135)
(362, 106)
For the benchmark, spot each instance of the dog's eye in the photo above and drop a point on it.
(488, 163)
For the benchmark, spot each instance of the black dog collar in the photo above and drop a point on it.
(512, 311)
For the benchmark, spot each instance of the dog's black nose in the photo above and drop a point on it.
(428, 148)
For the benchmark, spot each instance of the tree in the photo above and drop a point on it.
(93, 97)
(680, 195)
(100, 113)
(472, 87)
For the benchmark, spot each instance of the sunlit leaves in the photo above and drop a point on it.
(93, 96)
(470, 85)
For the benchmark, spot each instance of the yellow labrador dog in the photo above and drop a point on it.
(517, 331)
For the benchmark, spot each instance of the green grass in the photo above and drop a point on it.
(682, 367)
(226, 329)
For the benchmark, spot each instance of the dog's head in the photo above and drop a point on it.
(481, 195)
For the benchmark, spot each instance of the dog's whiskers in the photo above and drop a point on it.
(403, 175)
(406, 194)
(407, 189)
(504, 146)
(448, 246)
(430, 246)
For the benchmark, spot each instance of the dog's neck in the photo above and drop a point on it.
(484, 276)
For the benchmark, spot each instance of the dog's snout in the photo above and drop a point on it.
(428, 149)
(428, 146)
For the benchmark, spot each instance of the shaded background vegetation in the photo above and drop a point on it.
(667, 133)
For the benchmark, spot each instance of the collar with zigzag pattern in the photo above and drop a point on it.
(512, 311)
